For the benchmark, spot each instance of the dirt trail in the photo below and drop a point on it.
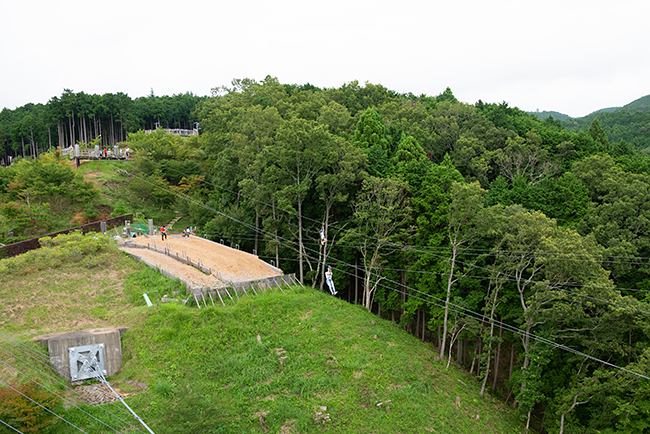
(233, 265)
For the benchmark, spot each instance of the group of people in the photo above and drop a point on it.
(328, 275)
(107, 153)
(186, 232)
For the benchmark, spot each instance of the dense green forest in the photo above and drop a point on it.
(519, 246)
(74, 117)
(630, 123)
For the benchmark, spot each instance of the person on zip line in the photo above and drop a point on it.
(328, 279)
(323, 240)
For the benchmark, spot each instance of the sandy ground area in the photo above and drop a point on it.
(232, 265)
(184, 272)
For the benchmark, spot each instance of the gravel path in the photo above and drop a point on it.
(233, 265)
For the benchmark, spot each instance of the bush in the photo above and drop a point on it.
(92, 248)
(25, 415)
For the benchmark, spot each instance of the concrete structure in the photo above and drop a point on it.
(58, 345)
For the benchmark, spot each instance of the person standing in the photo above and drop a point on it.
(163, 233)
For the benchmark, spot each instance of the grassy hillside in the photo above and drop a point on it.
(121, 193)
(291, 363)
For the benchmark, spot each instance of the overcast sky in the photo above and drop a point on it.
(571, 56)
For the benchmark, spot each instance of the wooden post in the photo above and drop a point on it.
(219, 294)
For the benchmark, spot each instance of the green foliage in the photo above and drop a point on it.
(120, 209)
(35, 192)
(467, 186)
(596, 132)
(371, 131)
(92, 248)
(565, 199)
(19, 408)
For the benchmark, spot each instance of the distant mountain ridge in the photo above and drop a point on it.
(641, 104)
(545, 114)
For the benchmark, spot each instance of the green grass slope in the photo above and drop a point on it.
(299, 362)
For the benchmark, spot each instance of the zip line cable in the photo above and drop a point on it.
(44, 360)
(68, 388)
(486, 252)
(42, 406)
(58, 396)
(93, 366)
(425, 247)
(261, 231)
(467, 312)
(9, 426)
(412, 248)
(197, 202)
(56, 379)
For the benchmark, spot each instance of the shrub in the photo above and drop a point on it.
(23, 414)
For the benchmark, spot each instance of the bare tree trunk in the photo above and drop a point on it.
(449, 283)
(403, 296)
(34, 146)
(487, 360)
(356, 278)
(478, 353)
(112, 130)
(424, 322)
(489, 351)
(351, 282)
(471, 370)
(496, 359)
(257, 227)
(325, 227)
(71, 124)
(277, 244)
(300, 246)
(512, 360)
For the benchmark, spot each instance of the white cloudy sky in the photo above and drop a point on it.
(572, 56)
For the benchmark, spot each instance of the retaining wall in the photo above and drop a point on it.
(59, 343)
